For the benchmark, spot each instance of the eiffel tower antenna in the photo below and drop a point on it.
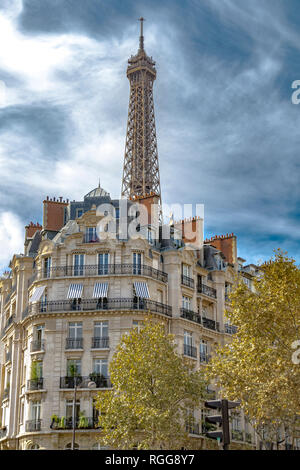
(141, 167)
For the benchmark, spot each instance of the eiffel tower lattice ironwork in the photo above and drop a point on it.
(141, 168)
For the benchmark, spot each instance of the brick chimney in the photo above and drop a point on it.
(31, 229)
(225, 243)
(54, 213)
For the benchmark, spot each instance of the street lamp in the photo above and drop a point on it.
(91, 385)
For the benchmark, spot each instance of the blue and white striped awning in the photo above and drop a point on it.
(141, 290)
(37, 294)
(75, 291)
(100, 290)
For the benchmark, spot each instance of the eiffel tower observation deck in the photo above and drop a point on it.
(141, 167)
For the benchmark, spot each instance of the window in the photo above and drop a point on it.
(91, 234)
(34, 447)
(69, 410)
(35, 410)
(150, 236)
(37, 370)
(47, 267)
(188, 338)
(73, 367)
(78, 265)
(101, 329)
(103, 262)
(39, 333)
(186, 270)
(137, 324)
(137, 263)
(69, 446)
(75, 330)
(21, 412)
(203, 351)
(79, 213)
(100, 367)
(117, 212)
(186, 302)
(43, 304)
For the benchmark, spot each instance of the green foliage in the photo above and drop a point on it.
(256, 367)
(153, 387)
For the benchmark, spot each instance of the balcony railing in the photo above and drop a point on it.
(82, 382)
(190, 315)
(230, 329)
(207, 290)
(100, 343)
(9, 322)
(74, 343)
(195, 317)
(80, 423)
(189, 350)
(210, 324)
(101, 270)
(33, 425)
(38, 345)
(96, 305)
(204, 358)
(35, 384)
(187, 281)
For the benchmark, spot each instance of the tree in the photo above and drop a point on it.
(257, 366)
(152, 389)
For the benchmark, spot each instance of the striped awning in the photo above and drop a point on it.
(37, 294)
(75, 291)
(141, 290)
(100, 290)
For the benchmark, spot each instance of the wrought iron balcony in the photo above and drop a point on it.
(207, 290)
(101, 270)
(33, 425)
(100, 343)
(35, 384)
(187, 281)
(204, 358)
(82, 422)
(189, 350)
(230, 329)
(74, 343)
(96, 305)
(210, 324)
(195, 317)
(38, 345)
(82, 382)
(190, 315)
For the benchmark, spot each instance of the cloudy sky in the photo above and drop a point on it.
(228, 133)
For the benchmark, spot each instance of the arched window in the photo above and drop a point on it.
(34, 447)
(97, 446)
(69, 446)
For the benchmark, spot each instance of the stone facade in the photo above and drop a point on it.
(45, 328)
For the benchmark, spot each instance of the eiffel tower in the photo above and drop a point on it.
(141, 168)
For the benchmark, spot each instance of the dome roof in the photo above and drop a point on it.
(97, 192)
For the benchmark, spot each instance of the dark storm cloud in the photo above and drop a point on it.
(228, 135)
(47, 125)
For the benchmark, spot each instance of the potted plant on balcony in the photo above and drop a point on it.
(83, 421)
(62, 423)
(54, 421)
